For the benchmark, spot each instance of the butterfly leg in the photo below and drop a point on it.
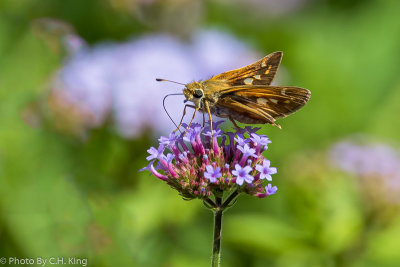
(209, 116)
(183, 115)
(235, 124)
(190, 123)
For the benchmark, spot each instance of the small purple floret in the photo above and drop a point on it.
(242, 174)
(260, 139)
(168, 141)
(215, 133)
(247, 151)
(270, 190)
(192, 133)
(155, 153)
(239, 140)
(265, 170)
(212, 174)
(251, 130)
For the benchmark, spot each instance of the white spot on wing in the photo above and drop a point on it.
(273, 100)
(262, 101)
(283, 91)
(258, 77)
(248, 81)
(263, 64)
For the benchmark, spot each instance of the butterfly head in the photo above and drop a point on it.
(194, 93)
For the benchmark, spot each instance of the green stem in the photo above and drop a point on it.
(216, 254)
(218, 209)
(230, 199)
(209, 202)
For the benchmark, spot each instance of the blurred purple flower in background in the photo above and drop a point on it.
(216, 51)
(369, 159)
(118, 80)
(374, 163)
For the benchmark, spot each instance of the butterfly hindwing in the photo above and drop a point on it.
(263, 103)
(261, 72)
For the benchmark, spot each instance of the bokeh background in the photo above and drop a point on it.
(79, 107)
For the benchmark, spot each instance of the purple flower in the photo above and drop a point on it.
(260, 139)
(199, 168)
(242, 174)
(240, 140)
(212, 174)
(265, 170)
(155, 153)
(216, 124)
(215, 133)
(168, 141)
(165, 160)
(169, 157)
(247, 151)
(271, 189)
(193, 133)
(376, 164)
(148, 167)
(364, 160)
(251, 129)
(153, 170)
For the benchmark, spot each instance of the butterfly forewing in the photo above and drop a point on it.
(261, 72)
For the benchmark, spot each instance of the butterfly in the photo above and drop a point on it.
(245, 94)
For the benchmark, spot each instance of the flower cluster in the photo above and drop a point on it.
(199, 162)
(366, 159)
(376, 164)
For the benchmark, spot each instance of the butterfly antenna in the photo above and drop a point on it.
(167, 111)
(164, 80)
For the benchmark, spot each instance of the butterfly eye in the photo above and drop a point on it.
(198, 93)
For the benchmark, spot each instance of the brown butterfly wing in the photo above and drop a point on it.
(261, 104)
(261, 72)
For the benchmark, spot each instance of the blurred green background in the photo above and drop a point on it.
(71, 188)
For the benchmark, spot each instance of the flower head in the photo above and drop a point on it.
(200, 163)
